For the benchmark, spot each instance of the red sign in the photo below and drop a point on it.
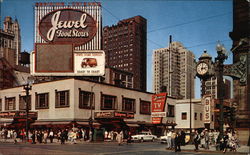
(69, 26)
(158, 105)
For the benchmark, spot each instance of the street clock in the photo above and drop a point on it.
(202, 68)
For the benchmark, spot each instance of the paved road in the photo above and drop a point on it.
(105, 148)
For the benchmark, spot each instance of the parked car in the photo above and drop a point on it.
(163, 139)
(144, 136)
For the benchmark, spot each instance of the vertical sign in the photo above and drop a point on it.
(158, 105)
(207, 109)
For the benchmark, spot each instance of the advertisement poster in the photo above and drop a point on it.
(158, 106)
(89, 63)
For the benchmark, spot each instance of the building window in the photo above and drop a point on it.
(42, 101)
(22, 102)
(0, 104)
(184, 116)
(195, 116)
(10, 103)
(170, 111)
(212, 118)
(108, 102)
(62, 99)
(128, 104)
(145, 107)
(85, 99)
(201, 116)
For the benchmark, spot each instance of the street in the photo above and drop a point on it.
(100, 148)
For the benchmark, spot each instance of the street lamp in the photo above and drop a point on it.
(91, 112)
(27, 87)
(219, 60)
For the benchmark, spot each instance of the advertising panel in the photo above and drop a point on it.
(158, 106)
(89, 63)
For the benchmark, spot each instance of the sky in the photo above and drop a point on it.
(197, 24)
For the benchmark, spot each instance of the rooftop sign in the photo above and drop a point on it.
(68, 26)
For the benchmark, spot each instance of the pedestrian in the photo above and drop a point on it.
(33, 137)
(173, 139)
(129, 138)
(59, 136)
(183, 138)
(63, 136)
(197, 139)
(178, 139)
(83, 134)
(45, 136)
(15, 137)
(169, 135)
(51, 136)
(224, 141)
(119, 137)
(206, 137)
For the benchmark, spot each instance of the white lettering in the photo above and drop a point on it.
(56, 25)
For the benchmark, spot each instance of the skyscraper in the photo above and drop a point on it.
(173, 69)
(125, 48)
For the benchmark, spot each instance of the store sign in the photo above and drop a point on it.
(89, 63)
(158, 106)
(69, 26)
(17, 114)
(207, 109)
(158, 114)
(115, 114)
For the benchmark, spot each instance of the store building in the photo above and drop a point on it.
(183, 114)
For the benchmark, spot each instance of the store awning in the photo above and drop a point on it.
(87, 123)
(60, 123)
(132, 125)
(5, 122)
(41, 123)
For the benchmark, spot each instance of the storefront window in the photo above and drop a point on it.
(62, 99)
(42, 101)
(201, 116)
(22, 102)
(10, 103)
(184, 116)
(85, 100)
(108, 102)
(128, 104)
(145, 107)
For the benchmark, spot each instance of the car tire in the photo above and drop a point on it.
(141, 140)
(153, 139)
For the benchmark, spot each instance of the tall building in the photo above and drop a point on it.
(211, 88)
(173, 69)
(241, 20)
(13, 28)
(125, 48)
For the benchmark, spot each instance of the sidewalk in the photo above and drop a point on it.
(241, 150)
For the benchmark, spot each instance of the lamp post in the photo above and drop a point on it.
(219, 60)
(27, 87)
(190, 102)
(91, 112)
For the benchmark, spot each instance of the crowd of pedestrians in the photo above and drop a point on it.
(208, 138)
(47, 135)
(175, 139)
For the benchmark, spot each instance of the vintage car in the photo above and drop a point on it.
(144, 136)
(163, 139)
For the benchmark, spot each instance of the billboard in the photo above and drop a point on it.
(68, 40)
(158, 106)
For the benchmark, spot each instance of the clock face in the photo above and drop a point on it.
(202, 68)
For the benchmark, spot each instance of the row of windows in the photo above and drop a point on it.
(86, 100)
(184, 116)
